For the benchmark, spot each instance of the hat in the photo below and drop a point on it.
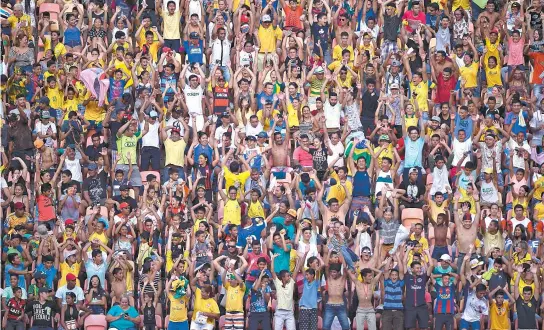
(45, 114)
(38, 275)
(488, 170)
(515, 4)
(319, 70)
(395, 63)
(69, 222)
(494, 30)
(435, 118)
(251, 138)
(475, 263)
(123, 205)
(42, 230)
(153, 114)
(193, 35)
(266, 18)
(413, 170)
(384, 137)
(19, 205)
(43, 290)
(70, 277)
(262, 135)
(445, 257)
(124, 187)
(394, 86)
(292, 212)
(175, 130)
(366, 248)
(44, 100)
(38, 143)
(92, 166)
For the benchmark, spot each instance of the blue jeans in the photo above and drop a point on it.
(338, 310)
(349, 256)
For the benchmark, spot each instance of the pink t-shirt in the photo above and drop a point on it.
(303, 157)
(413, 20)
(515, 52)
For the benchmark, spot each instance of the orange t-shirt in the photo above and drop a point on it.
(538, 65)
(292, 17)
(46, 211)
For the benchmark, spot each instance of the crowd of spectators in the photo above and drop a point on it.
(271, 164)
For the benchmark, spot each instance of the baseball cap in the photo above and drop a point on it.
(193, 35)
(292, 213)
(70, 277)
(44, 100)
(45, 114)
(19, 205)
(175, 130)
(123, 205)
(266, 18)
(69, 222)
(445, 257)
(435, 118)
(124, 187)
(92, 166)
(251, 138)
(488, 170)
(319, 69)
(104, 222)
(153, 114)
(413, 170)
(43, 290)
(475, 263)
(38, 143)
(262, 135)
(38, 275)
(394, 86)
(384, 137)
(395, 63)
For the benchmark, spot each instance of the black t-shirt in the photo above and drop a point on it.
(415, 190)
(536, 20)
(93, 153)
(96, 187)
(114, 128)
(321, 34)
(526, 313)
(41, 314)
(370, 104)
(320, 158)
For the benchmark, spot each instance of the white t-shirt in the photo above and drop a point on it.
(151, 139)
(3, 184)
(518, 161)
(219, 131)
(75, 167)
(48, 128)
(336, 149)
(253, 131)
(459, 149)
(63, 290)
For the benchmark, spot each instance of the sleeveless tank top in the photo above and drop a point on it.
(361, 184)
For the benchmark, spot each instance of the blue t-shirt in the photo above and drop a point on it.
(266, 97)
(282, 260)
(290, 229)
(49, 274)
(413, 151)
(122, 324)
(22, 282)
(244, 233)
(511, 117)
(464, 124)
(309, 294)
(258, 303)
(194, 52)
(206, 150)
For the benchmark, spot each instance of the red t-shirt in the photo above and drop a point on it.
(46, 211)
(303, 157)
(444, 89)
(413, 19)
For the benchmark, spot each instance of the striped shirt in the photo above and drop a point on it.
(445, 299)
(388, 230)
(393, 295)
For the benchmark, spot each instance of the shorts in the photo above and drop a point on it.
(413, 314)
(72, 43)
(178, 325)
(466, 325)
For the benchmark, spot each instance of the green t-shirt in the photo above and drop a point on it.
(127, 144)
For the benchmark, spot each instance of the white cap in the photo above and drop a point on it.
(445, 257)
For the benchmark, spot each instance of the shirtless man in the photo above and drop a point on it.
(280, 153)
(334, 210)
(118, 275)
(365, 291)
(440, 236)
(490, 14)
(335, 304)
(465, 229)
(45, 157)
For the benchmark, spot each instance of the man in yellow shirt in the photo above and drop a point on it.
(20, 22)
(178, 303)
(171, 25)
(151, 46)
(419, 88)
(269, 39)
(235, 290)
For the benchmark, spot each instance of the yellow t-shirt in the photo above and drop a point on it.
(410, 120)
(235, 297)
(337, 53)
(232, 212)
(539, 211)
(337, 191)
(470, 74)
(231, 179)
(171, 25)
(102, 237)
(493, 76)
(465, 4)
(205, 305)
(268, 38)
(492, 50)
(65, 269)
(178, 308)
(256, 210)
(292, 116)
(539, 185)
(267, 125)
(59, 49)
(141, 37)
(498, 316)
(93, 111)
(26, 23)
(174, 152)
(56, 97)
(422, 91)
(388, 152)
(70, 105)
